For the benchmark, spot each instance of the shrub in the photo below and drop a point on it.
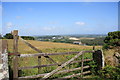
(110, 72)
(28, 37)
(113, 39)
(93, 66)
(8, 36)
(107, 73)
(106, 46)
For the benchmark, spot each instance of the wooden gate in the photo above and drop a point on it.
(47, 55)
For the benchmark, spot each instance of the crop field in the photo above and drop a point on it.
(46, 47)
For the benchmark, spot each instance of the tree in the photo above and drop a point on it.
(28, 37)
(113, 39)
(8, 36)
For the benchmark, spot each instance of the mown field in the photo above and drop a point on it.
(46, 47)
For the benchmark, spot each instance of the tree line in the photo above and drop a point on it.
(10, 36)
(96, 41)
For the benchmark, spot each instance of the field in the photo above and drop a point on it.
(47, 47)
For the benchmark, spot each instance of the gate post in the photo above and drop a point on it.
(99, 59)
(15, 51)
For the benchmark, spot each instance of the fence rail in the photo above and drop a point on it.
(63, 71)
(50, 54)
(29, 67)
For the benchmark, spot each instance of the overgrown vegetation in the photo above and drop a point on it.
(112, 40)
(28, 37)
(110, 71)
(96, 41)
(111, 47)
(106, 73)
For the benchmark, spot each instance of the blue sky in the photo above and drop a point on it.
(0, 17)
(60, 0)
(54, 18)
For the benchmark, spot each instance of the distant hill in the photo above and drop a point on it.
(88, 35)
(88, 39)
(75, 35)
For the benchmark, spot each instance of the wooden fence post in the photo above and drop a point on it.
(15, 50)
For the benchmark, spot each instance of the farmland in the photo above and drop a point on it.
(85, 39)
(48, 47)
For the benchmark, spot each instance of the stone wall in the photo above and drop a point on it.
(4, 73)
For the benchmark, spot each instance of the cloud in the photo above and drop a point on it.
(18, 17)
(80, 23)
(27, 24)
(53, 23)
(30, 9)
(9, 24)
(0, 6)
(48, 28)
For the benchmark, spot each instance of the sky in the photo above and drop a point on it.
(0, 18)
(55, 18)
(60, 0)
